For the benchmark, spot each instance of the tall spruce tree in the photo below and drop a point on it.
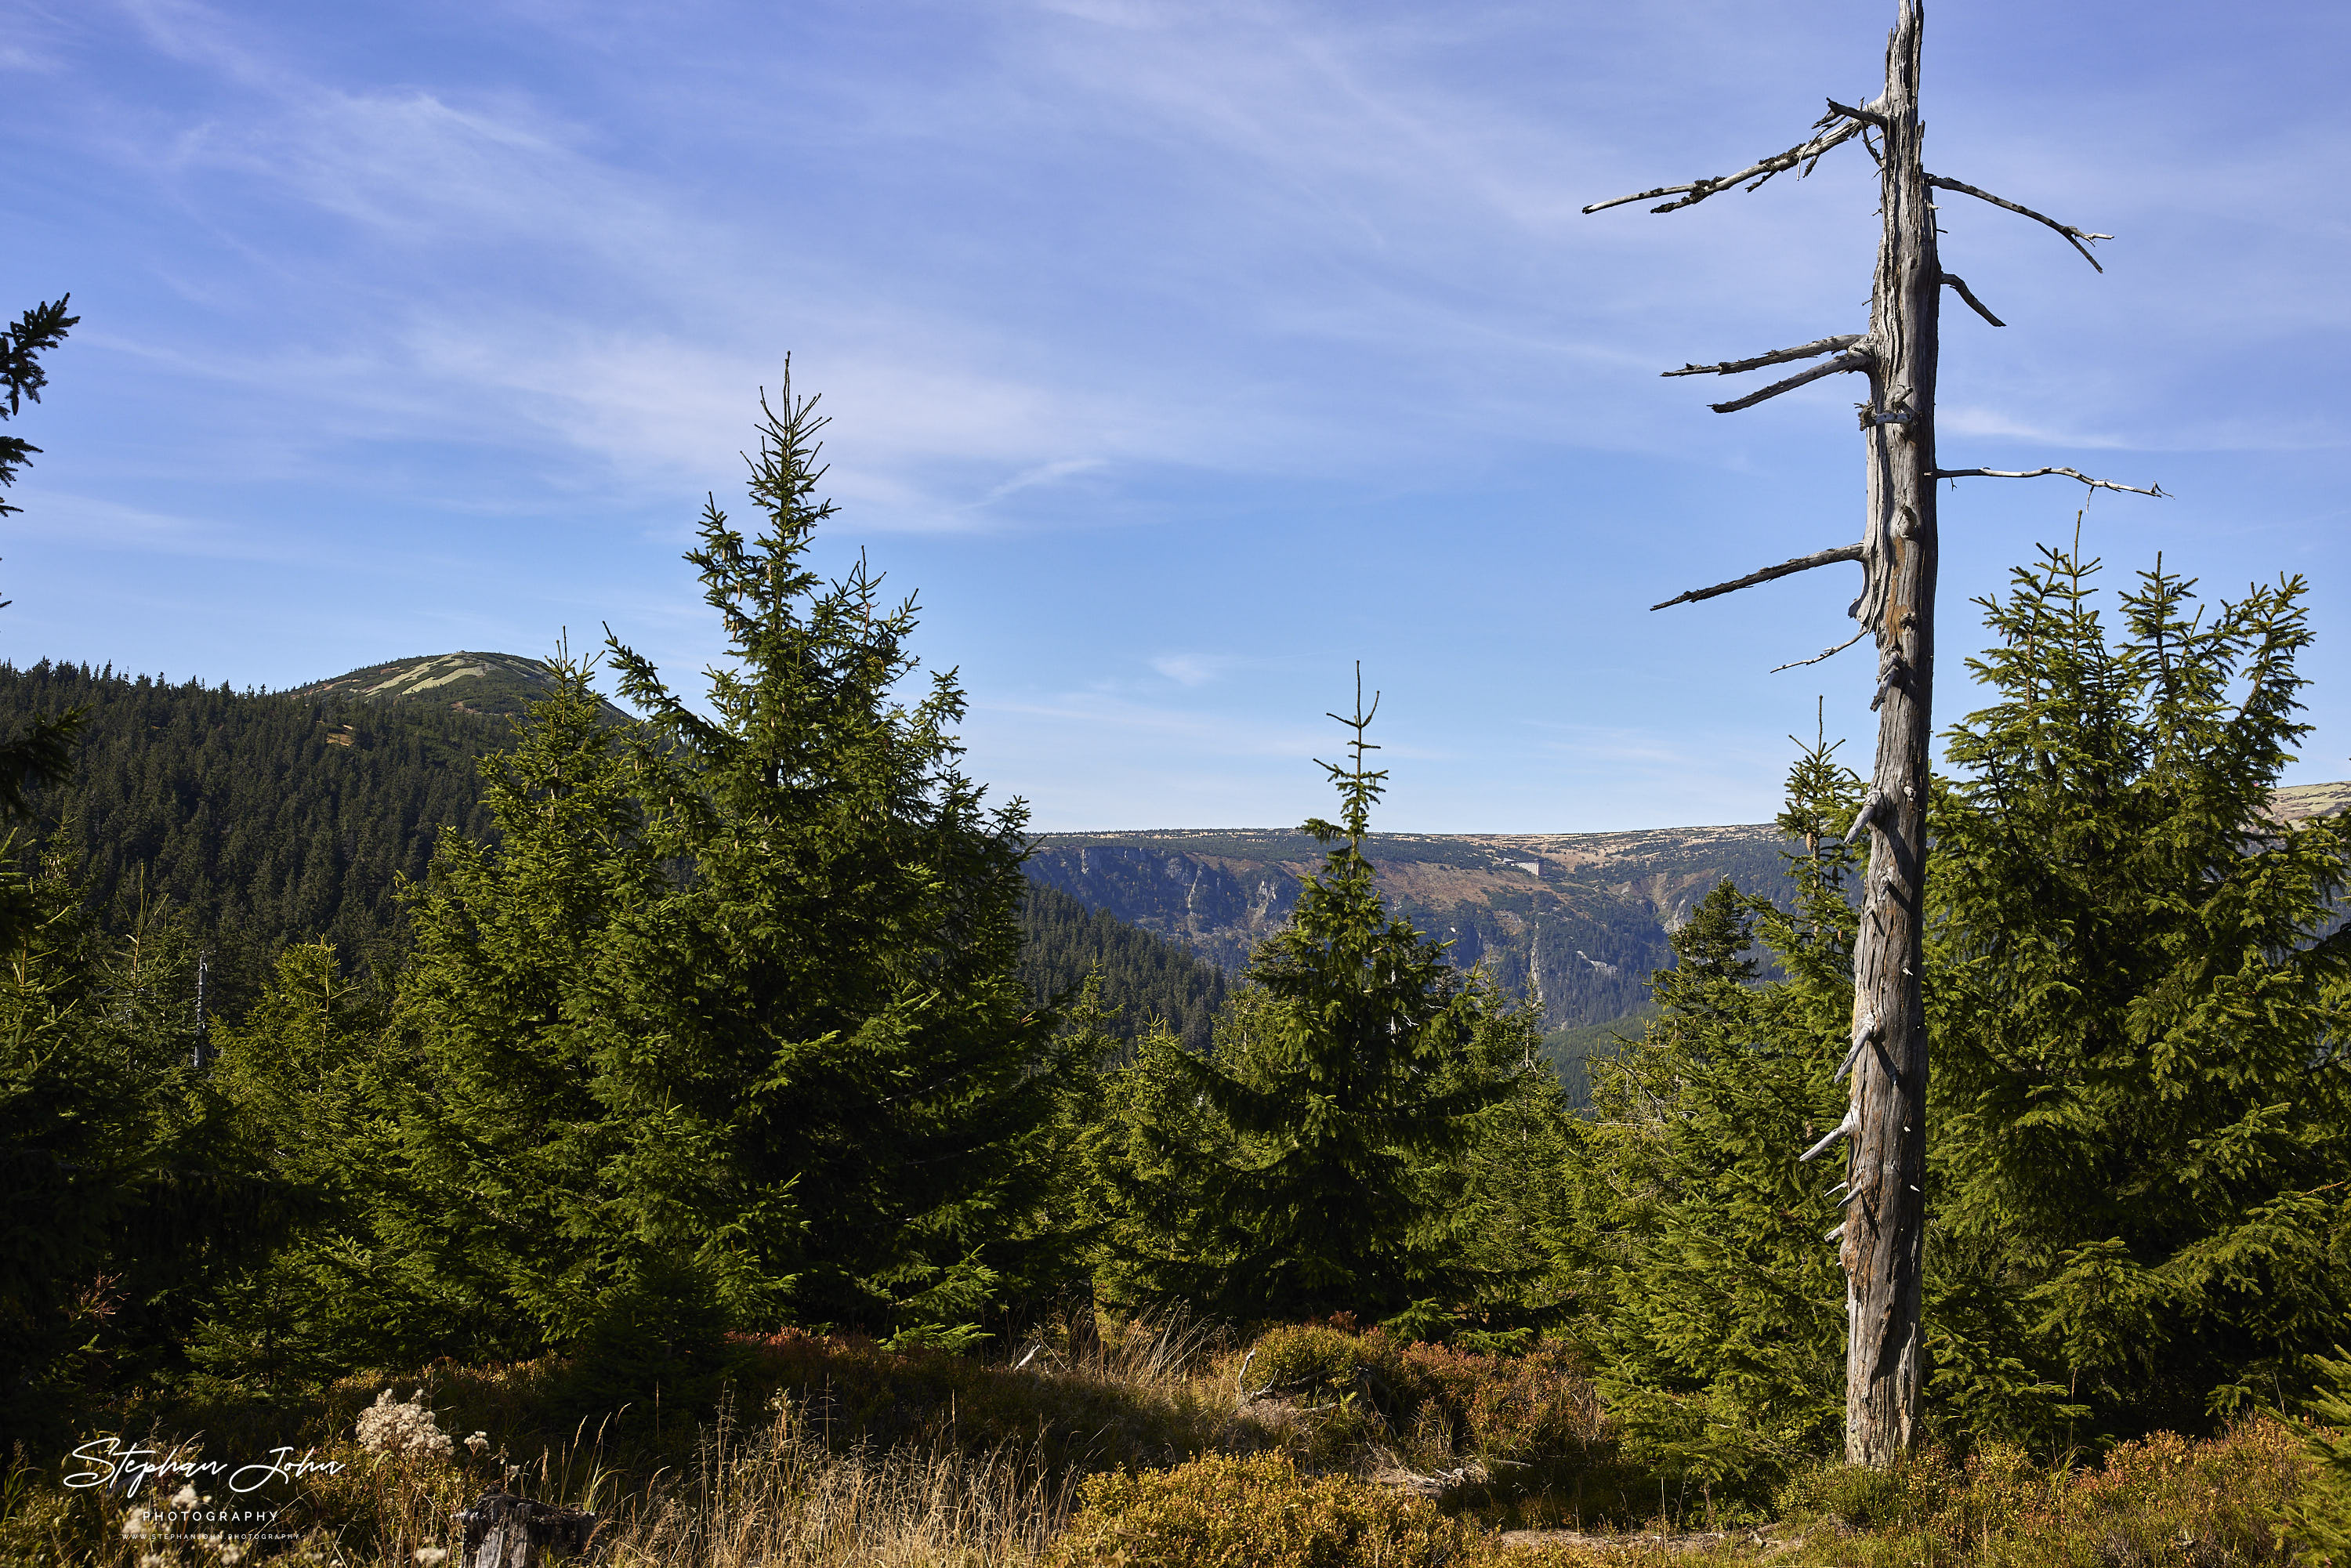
(43, 750)
(818, 1026)
(1320, 1145)
(2142, 1117)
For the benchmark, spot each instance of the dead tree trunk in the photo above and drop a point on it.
(1881, 1239)
(502, 1530)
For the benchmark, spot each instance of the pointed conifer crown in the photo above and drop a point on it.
(1358, 785)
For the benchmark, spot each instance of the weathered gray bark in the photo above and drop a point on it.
(1885, 1224)
(1880, 1242)
(502, 1530)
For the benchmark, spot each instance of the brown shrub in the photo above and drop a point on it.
(1433, 1401)
(1225, 1512)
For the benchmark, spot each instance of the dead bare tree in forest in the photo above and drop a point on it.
(1886, 1119)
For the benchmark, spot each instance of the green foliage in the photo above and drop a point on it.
(829, 1006)
(2164, 1500)
(1433, 1404)
(518, 1159)
(1571, 1051)
(126, 1193)
(37, 750)
(1712, 1301)
(1145, 980)
(1863, 1497)
(2319, 1521)
(727, 1029)
(311, 1094)
(2138, 1134)
(267, 819)
(2142, 1125)
(1311, 1164)
(22, 377)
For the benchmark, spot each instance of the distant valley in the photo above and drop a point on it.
(1574, 922)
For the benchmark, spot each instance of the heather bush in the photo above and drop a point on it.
(1225, 1512)
(1432, 1402)
(2155, 1503)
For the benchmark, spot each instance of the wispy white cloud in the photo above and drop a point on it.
(1194, 669)
(1137, 269)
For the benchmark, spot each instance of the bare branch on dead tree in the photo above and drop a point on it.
(1953, 280)
(1861, 1036)
(2080, 239)
(1785, 569)
(1854, 359)
(1865, 114)
(1825, 137)
(2156, 490)
(1851, 1121)
(1817, 347)
(1823, 654)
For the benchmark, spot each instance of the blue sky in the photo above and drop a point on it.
(1179, 355)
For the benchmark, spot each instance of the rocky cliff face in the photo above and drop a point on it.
(1574, 922)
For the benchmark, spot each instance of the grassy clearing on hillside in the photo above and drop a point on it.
(1137, 1445)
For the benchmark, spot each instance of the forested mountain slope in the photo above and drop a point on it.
(1144, 977)
(270, 819)
(265, 818)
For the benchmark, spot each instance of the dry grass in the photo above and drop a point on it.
(852, 1456)
(780, 1497)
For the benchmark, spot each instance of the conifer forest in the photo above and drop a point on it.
(675, 1129)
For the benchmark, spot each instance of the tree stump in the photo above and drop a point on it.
(503, 1531)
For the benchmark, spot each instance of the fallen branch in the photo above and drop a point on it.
(2080, 239)
(1785, 569)
(2156, 490)
(1776, 356)
(1806, 152)
(1851, 361)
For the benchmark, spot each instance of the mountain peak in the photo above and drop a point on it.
(504, 685)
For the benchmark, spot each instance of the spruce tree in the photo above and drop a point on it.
(2142, 1121)
(513, 1150)
(43, 749)
(1710, 1293)
(309, 1107)
(836, 1080)
(1350, 1071)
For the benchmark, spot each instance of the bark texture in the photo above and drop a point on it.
(502, 1530)
(1884, 1225)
